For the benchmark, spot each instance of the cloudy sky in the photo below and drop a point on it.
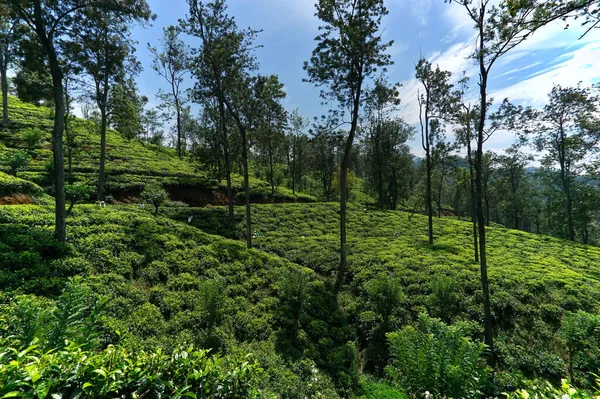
(439, 31)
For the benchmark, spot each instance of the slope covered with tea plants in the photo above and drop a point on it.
(151, 283)
(131, 164)
(537, 282)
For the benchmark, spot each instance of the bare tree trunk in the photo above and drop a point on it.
(60, 228)
(487, 313)
(178, 110)
(246, 187)
(102, 173)
(226, 155)
(4, 78)
(342, 269)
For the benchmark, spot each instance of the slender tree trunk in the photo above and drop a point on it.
(226, 156)
(68, 132)
(566, 182)
(272, 169)
(102, 174)
(4, 78)
(178, 110)
(472, 194)
(439, 199)
(487, 322)
(428, 194)
(344, 191)
(293, 165)
(428, 165)
(246, 187)
(60, 228)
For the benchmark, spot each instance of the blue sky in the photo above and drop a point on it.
(439, 31)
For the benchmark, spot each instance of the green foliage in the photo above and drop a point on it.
(10, 185)
(15, 160)
(76, 192)
(382, 304)
(436, 358)
(32, 138)
(580, 333)
(545, 390)
(155, 195)
(118, 372)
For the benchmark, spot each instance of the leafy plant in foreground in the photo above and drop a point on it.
(436, 358)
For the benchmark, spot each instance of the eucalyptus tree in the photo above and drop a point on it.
(434, 107)
(106, 53)
(171, 62)
(500, 29)
(223, 69)
(9, 25)
(54, 23)
(350, 50)
(569, 133)
(296, 146)
(270, 135)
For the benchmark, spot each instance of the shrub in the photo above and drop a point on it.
(579, 331)
(154, 194)
(437, 358)
(118, 372)
(32, 138)
(16, 160)
(545, 390)
(384, 297)
(76, 192)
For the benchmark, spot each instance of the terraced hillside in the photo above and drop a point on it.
(131, 164)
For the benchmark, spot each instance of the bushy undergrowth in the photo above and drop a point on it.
(51, 349)
(10, 185)
(535, 281)
(168, 285)
(439, 359)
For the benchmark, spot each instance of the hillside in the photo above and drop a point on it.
(131, 164)
(150, 290)
(535, 280)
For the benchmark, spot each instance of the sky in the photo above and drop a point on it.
(439, 31)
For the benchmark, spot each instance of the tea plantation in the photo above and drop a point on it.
(174, 305)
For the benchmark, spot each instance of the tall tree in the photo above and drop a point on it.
(434, 106)
(223, 68)
(270, 135)
(349, 50)
(126, 109)
(500, 29)
(172, 63)
(465, 118)
(388, 160)
(296, 143)
(569, 131)
(53, 23)
(512, 167)
(106, 53)
(8, 38)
